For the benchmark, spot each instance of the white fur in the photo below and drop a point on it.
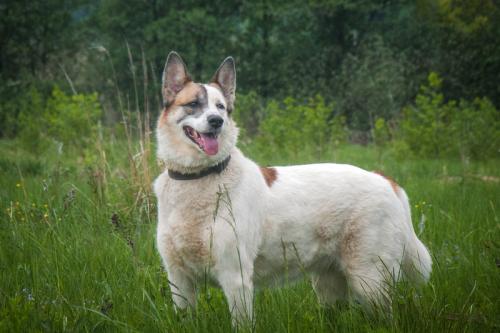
(345, 227)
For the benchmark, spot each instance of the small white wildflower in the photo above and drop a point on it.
(29, 295)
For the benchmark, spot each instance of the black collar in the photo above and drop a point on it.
(218, 168)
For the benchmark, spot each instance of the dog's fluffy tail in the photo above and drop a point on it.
(417, 262)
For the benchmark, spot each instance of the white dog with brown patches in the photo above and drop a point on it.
(222, 217)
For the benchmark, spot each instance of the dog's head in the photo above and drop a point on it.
(195, 129)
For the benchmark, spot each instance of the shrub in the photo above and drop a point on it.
(436, 128)
(70, 120)
(339, 130)
(381, 132)
(290, 127)
(279, 129)
(476, 129)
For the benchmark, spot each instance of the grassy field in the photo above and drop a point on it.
(77, 249)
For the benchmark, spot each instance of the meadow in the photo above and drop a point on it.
(77, 250)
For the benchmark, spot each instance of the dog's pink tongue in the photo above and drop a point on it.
(210, 144)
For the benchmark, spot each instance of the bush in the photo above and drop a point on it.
(70, 120)
(279, 129)
(290, 127)
(476, 129)
(381, 132)
(436, 128)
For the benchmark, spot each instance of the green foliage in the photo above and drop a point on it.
(27, 48)
(31, 119)
(476, 128)
(69, 119)
(381, 132)
(463, 16)
(248, 113)
(281, 127)
(291, 127)
(435, 127)
(316, 123)
(424, 125)
(16, 313)
(372, 84)
(465, 34)
(73, 119)
(339, 130)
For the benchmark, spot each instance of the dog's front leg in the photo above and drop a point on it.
(182, 288)
(237, 285)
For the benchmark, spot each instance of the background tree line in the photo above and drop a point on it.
(366, 60)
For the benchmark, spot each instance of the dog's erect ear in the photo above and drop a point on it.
(225, 78)
(175, 77)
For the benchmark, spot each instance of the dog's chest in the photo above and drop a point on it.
(185, 222)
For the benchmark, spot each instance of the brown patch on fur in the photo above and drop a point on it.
(191, 243)
(394, 185)
(187, 94)
(324, 234)
(350, 242)
(188, 240)
(270, 175)
(174, 257)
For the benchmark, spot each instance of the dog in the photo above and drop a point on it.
(224, 219)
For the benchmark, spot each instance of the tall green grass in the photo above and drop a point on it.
(77, 248)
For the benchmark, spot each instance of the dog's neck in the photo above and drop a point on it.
(214, 169)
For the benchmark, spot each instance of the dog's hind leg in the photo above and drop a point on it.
(370, 284)
(329, 287)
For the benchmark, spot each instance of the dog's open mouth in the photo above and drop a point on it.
(206, 141)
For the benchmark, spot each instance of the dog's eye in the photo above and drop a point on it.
(220, 106)
(192, 104)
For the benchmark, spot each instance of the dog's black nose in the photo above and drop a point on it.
(215, 121)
